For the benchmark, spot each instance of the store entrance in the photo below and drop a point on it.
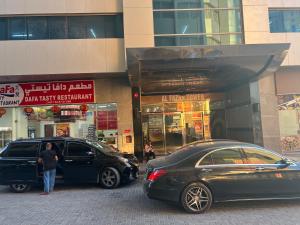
(174, 122)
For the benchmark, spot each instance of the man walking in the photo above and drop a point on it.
(49, 159)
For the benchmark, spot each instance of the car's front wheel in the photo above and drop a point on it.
(196, 198)
(20, 188)
(110, 178)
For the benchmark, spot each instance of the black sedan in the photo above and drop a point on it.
(202, 173)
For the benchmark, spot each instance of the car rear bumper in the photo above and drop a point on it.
(167, 194)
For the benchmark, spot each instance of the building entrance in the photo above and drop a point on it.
(174, 121)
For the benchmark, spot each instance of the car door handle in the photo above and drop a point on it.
(259, 168)
(69, 160)
(206, 170)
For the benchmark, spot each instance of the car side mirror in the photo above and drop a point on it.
(285, 163)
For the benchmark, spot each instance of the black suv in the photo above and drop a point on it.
(79, 161)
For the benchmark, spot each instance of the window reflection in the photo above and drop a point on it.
(197, 22)
(284, 20)
(61, 27)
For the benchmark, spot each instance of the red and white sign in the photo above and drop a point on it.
(47, 93)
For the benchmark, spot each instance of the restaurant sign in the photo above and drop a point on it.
(47, 93)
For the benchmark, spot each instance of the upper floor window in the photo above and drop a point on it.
(282, 20)
(192, 4)
(197, 22)
(61, 27)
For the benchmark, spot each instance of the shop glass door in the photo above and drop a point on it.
(174, 136)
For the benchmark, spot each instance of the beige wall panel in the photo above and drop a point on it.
(117, 91)
(269, 112)
(255, 2)
(255, 37)
(59, 6)
(288, 80)
(284, 3)
(2, 59)
(62, 56)
(115, 55)
(138, 21)
(137, 3)
(137, 41)
(256, 18)
(16, 57)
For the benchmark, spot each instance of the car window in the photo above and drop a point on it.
(22, 150)
(227, 156)
(207, 160)
(257, 156)
(57, 146)
(78, 149)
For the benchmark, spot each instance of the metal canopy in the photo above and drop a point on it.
(171, 70)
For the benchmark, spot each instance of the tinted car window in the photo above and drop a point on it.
(78, 149)
(22, 150)
(207, 160)
(227, 156)
(256, 156)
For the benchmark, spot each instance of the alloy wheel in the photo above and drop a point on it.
(196, 198)
(110, 178)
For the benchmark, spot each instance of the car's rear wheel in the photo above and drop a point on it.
(110, 178)
(20, 188)
(196, 198)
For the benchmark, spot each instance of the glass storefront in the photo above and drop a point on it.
(89, 121)
(171, 121)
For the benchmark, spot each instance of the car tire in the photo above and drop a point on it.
(20, 188)
(110, 178)
(196, 198)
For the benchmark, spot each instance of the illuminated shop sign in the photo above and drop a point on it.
(47, 93)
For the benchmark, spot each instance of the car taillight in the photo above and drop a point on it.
(154, 175)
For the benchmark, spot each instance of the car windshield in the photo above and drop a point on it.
(102, 147)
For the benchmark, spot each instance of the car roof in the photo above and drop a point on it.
(214, 144)
(48, 139)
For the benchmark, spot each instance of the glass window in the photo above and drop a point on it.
(227, 156)
(22, 150)
(3, 28)
(37, 28)
(189, 4)
(256, 156)
(61, 27)
(206, 161)
(78, 149)
(57, 26)
(77, 27)
(95, 27)
(284, 21)
(114, 26)
(17, 28)
(164, 23)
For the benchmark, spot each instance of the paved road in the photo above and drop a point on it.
(86, 205)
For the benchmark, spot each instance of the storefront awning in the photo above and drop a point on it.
(171, 70)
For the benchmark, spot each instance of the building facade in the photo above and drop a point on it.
(166, 71)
